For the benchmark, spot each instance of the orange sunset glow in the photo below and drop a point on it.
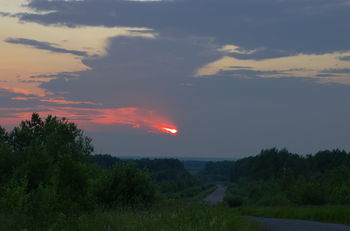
(94, 119)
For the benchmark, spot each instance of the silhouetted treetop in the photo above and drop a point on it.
(56, 136)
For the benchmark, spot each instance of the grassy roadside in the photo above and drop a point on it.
(331, 214)
(171, 215)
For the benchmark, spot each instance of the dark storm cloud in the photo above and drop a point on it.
(43, 46)
(315, 26)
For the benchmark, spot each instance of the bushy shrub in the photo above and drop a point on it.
(308, 192)
(72, 186)
(341, 195)
(14, 196)
(127, 186)
(274, 199)
(234, 201)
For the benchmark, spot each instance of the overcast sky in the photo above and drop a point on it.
(190, 78)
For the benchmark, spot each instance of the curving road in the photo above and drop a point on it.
(275, 224)
(217, 196)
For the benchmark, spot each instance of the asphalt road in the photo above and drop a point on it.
(217, 196)
(275, 224)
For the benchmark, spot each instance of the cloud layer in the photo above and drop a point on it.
(232, 76)
(292, 25)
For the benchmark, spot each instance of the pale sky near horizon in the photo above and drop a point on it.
(199, 78)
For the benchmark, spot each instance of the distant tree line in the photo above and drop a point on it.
(274, 163)
(278, 177)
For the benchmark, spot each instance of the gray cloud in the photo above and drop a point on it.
(247, 73)
(290, 25)
(6, 14)
(62, 75)
(221, 116)
(138, 68)
(44, 46)
(337, 71)
(345, 58)
(217, 115)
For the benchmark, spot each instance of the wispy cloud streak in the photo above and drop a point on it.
(44, 46)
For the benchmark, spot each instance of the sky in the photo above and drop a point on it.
(185, 78)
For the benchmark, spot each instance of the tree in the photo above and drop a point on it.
(50, 155)
(3, 135)
(56, 136)
(126, 185)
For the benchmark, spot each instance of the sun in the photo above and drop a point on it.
(172, 131)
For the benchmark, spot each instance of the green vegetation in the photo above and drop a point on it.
(170, 178)
(274, 163)
(279, 178)
(50, 181)
(168, 216)
(277, 183)
(46, 176)
(332, 214)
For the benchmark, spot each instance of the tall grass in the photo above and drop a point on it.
(332, 214)
(172, 215)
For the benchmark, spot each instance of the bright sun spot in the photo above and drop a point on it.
(170, 130)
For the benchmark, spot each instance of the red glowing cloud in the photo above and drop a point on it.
(96, 118)
(21, 91)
